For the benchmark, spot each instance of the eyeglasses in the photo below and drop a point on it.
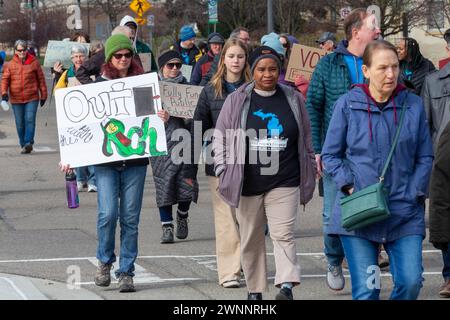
(21, 50)
(119, 56)
(174, 64)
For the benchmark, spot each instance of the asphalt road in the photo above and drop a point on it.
(47, 251)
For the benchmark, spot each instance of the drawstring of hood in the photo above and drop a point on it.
(365, 88)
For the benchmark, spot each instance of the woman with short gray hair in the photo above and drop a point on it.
(24, 83)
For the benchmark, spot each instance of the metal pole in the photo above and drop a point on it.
(215, 24)
(269, 16)
(32, 26)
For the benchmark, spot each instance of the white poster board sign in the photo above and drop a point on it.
(186, 70)
(110, 121)
(303, 61)
(146, 60)
(61, 51)
(180, 100)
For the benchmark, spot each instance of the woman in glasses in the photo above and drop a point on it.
(120, 185)
(232, 72)
(172, 187)
(24, 83)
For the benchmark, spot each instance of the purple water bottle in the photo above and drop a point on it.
(72, 191)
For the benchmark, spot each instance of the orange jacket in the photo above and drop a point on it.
(25, 81)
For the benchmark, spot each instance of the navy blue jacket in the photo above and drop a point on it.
(356, 148)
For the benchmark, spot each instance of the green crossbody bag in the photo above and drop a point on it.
(369, 205)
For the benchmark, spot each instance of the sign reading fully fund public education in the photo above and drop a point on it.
(110, 121)
(303, 61)
(179, 100)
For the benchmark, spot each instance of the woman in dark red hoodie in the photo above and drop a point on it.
(23, 83)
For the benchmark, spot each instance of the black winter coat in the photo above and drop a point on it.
(418, 76)
(169, 177)
(207, 112)
(439, 191)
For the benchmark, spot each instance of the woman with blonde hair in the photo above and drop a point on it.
(232, 72)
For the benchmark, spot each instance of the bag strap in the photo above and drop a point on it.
(394, 144)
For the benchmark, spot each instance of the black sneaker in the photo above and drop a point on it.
(254, 296)
(284, 294)
(182, 227)
(126, 283)
(167, 236)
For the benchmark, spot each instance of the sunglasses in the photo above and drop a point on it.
(21, 50)
(119, 56)
(174, 64)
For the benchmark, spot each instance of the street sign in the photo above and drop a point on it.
(140, 21)
(140, 6)
(151, 20)
(212, 10)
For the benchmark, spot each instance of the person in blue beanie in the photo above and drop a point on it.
(186, 46)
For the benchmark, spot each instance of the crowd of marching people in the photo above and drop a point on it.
(372, 112)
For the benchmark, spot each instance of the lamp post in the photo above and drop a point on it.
(33, 23)
(269, 16)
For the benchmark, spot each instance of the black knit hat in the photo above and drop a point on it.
(167, 56)
(263, 52)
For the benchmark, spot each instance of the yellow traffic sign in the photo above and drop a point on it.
(140, 6)
(141, 21)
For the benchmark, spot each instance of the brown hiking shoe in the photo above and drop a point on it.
(103, 276)
(126, 283)
(444, 291)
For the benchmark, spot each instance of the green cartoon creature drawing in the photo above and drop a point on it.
(114, 132)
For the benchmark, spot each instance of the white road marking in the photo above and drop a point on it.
(165, 257)
(11, 283)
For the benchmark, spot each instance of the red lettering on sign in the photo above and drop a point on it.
(304, 59)
(317, 57)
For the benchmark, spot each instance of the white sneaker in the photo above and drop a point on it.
(81, 186)
(231, 284)
(92, 188)
(335, 278)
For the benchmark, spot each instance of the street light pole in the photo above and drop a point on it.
(269, 16)
(33, 25)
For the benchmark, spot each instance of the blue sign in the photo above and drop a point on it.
(212, 10)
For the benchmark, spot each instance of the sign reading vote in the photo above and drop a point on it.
(61, 51)
(110, 121)
(303, 61)
(179, 100)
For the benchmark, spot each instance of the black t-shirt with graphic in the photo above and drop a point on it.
(275, 136)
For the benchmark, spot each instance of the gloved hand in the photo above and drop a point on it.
(5, 97)
(441, 245)
(42, 103)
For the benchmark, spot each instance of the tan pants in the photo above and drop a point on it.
(228, 249)
(279, 209)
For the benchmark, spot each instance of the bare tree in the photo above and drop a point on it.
(112, 8)
(291, 15)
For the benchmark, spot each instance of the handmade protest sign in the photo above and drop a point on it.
(186, 70)
(179, 100)
(110, 121)
(61, 51)
(302, 61)
(146, 59)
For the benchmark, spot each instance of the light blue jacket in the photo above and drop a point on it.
(356, 147)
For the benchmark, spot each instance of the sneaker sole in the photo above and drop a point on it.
(101, 284)
(444, 295)
(165, 242)
(339, 289)
(127, 290)
(231, 285)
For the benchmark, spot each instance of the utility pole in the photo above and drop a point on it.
(269, 16)
(33, 23)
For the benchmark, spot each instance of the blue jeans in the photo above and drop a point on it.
(165, 213)
(446, 258)
(405, 258)
(86, 174)
(25, 115)
(119, 196)
(333, 247)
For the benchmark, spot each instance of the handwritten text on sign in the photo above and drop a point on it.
(179, 100)
(303, 61)
(110, 121)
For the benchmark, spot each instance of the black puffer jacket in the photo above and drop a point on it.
(439, 191)
(417, 78)
(207, 112)
(169, 177)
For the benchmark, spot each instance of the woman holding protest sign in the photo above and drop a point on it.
(232, 72)
(172, 187)
(120, 184)
(23, 83)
